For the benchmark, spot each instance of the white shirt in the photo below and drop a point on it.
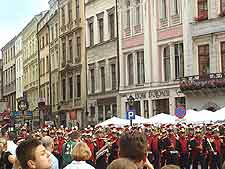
(11, 147)
(54, 161)
(79, 165)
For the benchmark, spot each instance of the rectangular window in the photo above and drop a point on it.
(180, 101)
(43, 65)
(203, 61)
(71, 50)
(140, 67)
(128, 14)
(56, 30)
(112, 25)
(146, 109)
(52, 31)
(78, 86)
(78, 47)
(100, 113)
(64, 51)
(160, 106)
(202, 9)
(63, 15)
(71, 87)
(113, 74)
(130, 69)
(43, 42)
(47, 64)
(222, 6)
(138, 12)
(91, 34)
(166, 61)
(175, 7)
(179, 60)
(46, 38)
(103, 78)
(101, 29)
(223, 56)
(64, 89)
(70, 12)
(92, 71)
(114, 110)
(78, 8)
(163, 9)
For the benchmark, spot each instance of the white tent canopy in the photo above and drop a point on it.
(114, 120)
(162, 119)
(219, 115)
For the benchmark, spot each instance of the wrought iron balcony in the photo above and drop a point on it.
(210, 81)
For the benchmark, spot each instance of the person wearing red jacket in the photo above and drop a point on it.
(216, 155)
(155, 148)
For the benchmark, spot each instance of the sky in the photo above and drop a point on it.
(15, 15)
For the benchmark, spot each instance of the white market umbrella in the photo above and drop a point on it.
(219, 115)
(198, 116)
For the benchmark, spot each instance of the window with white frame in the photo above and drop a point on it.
(92, 72)
(166, 61)
(113, 75)
(163, 9)
(140, 67)
(78, 86)
(175, 7)
(77, 8)
(138, 12)
(91, 33)
(202, 9)
(101, 29)
(130, 69)
(128, 14)
(112, 25)
(71, 50)
(102, 71)
(179, 60)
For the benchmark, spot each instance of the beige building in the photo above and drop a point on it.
(44, 66)
(30, 65)
(9, 74)
(72, 62)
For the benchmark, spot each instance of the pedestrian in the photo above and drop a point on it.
(80, 154)
(74, 138)
(33, 155)
(133, 145)
(11, 146)
(122, 163)
(48, 143)
(7, 160)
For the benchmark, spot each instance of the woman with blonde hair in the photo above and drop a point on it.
(7, 160)
(80, 154)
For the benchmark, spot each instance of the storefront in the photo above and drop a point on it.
(148, 103)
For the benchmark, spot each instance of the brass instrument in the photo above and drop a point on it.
(104, 149)
(210, 145)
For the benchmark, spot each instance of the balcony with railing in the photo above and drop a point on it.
(202, 15)
(213, 82)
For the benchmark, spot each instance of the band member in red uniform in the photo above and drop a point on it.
(60, 141)
(155, 148)
(198, 145)
(183, 149)
(216, 145)
(114, 148)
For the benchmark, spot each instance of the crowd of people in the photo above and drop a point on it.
(144, 146)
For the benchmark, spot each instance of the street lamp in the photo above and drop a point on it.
(130, 101)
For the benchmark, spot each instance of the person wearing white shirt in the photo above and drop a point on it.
(80, 153)
(48, 143)
(11, 146)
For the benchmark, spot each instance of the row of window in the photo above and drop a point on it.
(102, 75)
(101, 27)
(68, 86)
(8, 54)
(29, 48)
(9, 76)
(68, 8)
(70, 54)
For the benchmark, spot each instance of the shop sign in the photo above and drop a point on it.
(152, 94)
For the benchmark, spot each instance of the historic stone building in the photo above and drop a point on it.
(9, 74)
(44, 67)
(30, 65)
(101, 49)
(53, 24)
(19, 68)
(72, 79)
(204, 51)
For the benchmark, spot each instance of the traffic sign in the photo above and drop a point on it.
(130, 115)
(180, 112)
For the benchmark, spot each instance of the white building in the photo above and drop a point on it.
(101, 49)
(19, 68)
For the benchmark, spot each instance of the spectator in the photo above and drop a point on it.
(33, 155)
(81, 153)
(122, 163)
(11, 146)
(133, 145)
(223, 165)
(7, 160)
(48, 143)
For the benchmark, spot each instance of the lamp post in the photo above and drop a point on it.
(130, 101)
